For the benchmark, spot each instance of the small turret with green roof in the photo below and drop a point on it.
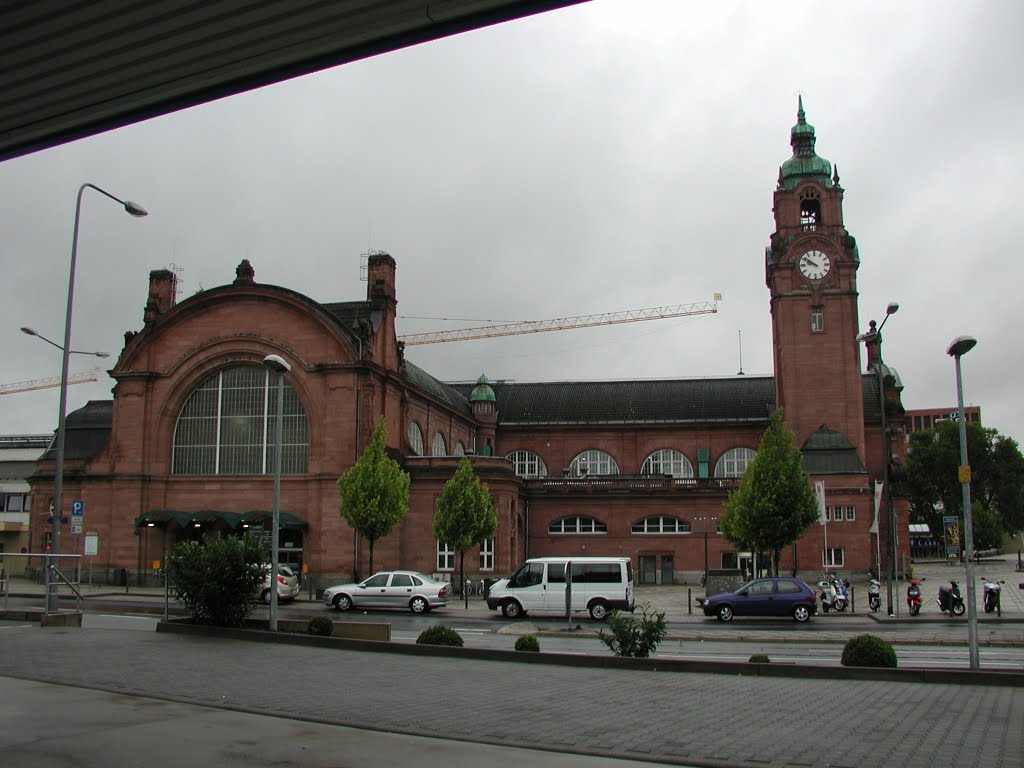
(805, 163)
(482, 392)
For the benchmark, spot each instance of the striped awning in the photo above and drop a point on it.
(163, 517)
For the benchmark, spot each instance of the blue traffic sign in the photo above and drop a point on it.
(77, 508)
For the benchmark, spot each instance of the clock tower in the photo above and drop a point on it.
(811, 271)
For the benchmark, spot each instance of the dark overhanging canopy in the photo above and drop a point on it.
(164, 517)
(70, 70)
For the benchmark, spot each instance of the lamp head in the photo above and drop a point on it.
(961, 345)
(892, 308)
(135, 209)
(101, 354)
(29, 331)
(276, 363)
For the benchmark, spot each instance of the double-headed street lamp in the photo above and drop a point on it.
(960, 346)
(874, 336)
(280, 367)
(58, 483)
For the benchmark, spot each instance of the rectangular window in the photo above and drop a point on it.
(445, 557)
(817, 319)
(832, 557)
(730, 561)
(851, 513)
(487, 555)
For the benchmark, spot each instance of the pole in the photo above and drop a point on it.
(276, 514)
(965, 484)
(890, 571)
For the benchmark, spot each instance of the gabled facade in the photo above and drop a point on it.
(636, 468)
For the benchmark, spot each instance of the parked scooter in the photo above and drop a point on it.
(992, 596)
(914, 597)
(833, 594)
(949, 599)
(874, 595)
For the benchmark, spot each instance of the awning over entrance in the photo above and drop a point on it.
(163, 517)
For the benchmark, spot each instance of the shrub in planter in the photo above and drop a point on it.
(439, 635)
(219, 579)
(634, 637)
(527, 643)
(760, 658)
(320, 625)
(868, 651)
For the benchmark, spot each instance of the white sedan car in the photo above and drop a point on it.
(407, 590)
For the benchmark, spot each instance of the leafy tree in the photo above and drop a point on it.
(774, 503)
(218, 580)
(374, 491)
(997, 480)
(465, 514)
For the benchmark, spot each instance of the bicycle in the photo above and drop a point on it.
(469, 587)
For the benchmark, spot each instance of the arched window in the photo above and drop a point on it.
(661, 524)
(227, 426)
(460, 449)
(577, 525)
(527, 464)
(667, 462)
(437, 446)
(734, 462)
(415, 439)
(593, 462)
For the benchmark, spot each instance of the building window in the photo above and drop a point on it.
(661, 524)
(527, 464)
(577, 525)
(437, 446)
(810, 215)
(487, 554)
(667, 462)
(817, 319)
(445, 557)
(593, 462)
(832, 557)
(415, 439)
(734, 462)
(14, 502)
(227, 426)
(460, 449)
(851, 513)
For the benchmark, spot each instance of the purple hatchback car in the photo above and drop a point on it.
(779, 596)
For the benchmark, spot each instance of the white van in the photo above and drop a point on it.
(598, 584)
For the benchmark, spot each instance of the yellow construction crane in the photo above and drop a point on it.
(53, 381)
(562, 323)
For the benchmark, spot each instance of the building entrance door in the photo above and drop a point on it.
(667, 566)
(648, 569)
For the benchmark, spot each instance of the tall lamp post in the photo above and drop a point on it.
(280, 367)
(874, 336)
(960, 346)
(58, 483)
(707, 520)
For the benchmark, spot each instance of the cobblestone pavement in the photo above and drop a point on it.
(685, 718)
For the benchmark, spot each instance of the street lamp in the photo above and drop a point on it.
(32, 332)
(58, 483)
(960, 346)
(874, 336)
(280, 367)
(707, 520)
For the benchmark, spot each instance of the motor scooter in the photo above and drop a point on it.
(992, 596)
(950, 599)
(874, 595)
(832, 595)
(914, 596)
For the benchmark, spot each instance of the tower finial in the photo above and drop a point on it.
(800, 116)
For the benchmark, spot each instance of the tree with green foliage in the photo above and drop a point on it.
(374, 491)
(774, 503)
(933, 486)
(465, 514)
(219, 579)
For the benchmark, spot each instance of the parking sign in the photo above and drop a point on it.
(77, 508)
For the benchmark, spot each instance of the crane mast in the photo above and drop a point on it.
(562, 323)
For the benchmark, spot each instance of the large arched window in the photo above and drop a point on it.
(460, 449)
(667, 462)
(661, 524)
(577, 525)
(527, 464)
(415, 439)
(734, 462)
(593, 462)
(227, 426)
(437, 446)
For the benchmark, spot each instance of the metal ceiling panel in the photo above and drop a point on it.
(73, 69)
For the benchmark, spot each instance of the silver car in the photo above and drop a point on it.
(287, 584)
(391, 589)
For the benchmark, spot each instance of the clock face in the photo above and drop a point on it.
(814, 265)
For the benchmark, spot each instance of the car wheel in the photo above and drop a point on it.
(510, 609)
(598, 611)
(958, 609)
(725, 613)
(265, 596)
(343, 602)
(801, 613)
(418, 605)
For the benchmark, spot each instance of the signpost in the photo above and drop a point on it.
(92, 548)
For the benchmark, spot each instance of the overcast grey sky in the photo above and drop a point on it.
(614, 155)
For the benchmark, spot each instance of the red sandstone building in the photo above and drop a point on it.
(637, 468)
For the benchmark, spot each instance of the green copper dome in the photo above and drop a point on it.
(804, 164)
(482, 392)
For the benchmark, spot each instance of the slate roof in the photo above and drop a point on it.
(438, 389)
(86, 431)
(828, 452)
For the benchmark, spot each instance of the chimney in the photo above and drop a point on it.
(161, 294)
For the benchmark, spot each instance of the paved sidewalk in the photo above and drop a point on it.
(681, 718)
